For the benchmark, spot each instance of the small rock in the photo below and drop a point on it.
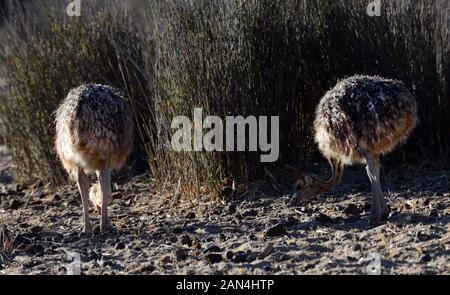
(57, 197)
(190, 215)
(212, 249)
(213, 257)
(434, 213)
(323, 218)
(36, 229)
(425, 258)
(186, 241)
(352, 209)
(239, 257)
(356, 247)
(250, 213)
(165, 259)
(291, 221)
(231, 209)
(177, 230)
(14, 204)
(277, 230)
(108, 264)
(303, 209)
(30, 263)
(120, 246)
(423, 236)
(229, 255)
(180, 254)
(93, 255)
(147, 268)
(266, 252)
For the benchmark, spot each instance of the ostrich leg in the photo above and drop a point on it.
(380, 211)
(104, 178)
(83, 187)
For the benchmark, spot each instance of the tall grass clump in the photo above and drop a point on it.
(229, 58)
(41, 64)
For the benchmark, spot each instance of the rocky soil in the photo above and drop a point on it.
(254, 233)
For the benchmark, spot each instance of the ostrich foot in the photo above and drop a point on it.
(378, 214)
(87, 229)
(106, 228)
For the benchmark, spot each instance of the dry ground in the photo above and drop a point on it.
(255, 233)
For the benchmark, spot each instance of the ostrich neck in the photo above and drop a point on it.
(337, 171)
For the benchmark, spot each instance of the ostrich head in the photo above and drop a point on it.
(306, 187)
(310, 186)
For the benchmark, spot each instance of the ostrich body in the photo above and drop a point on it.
(358, 120)
(94, 134)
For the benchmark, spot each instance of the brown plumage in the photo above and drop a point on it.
(358, 120)
(94, 134)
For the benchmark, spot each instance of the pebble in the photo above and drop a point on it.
(165, 259)
(352, 209)
(434, 213)
(212, 249)
(231, 209)
(267, 251)
(14, 204)
(238, 257)
(275, 231)
(213, 257)
(323, 218)
(303, 209)
(147, 268)
(229, 255)
(120, 246)
(425, 258)
(186, 241)
(190, 215)
(177, 230)
(291, 221)
(250, 213)
(356, 247)
(180, 254)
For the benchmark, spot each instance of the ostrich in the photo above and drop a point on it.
(94, 134)
(358, 120)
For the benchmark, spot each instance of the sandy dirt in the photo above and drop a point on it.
(254, 233)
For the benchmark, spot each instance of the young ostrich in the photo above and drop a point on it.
(94, 134)
(358, 120)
